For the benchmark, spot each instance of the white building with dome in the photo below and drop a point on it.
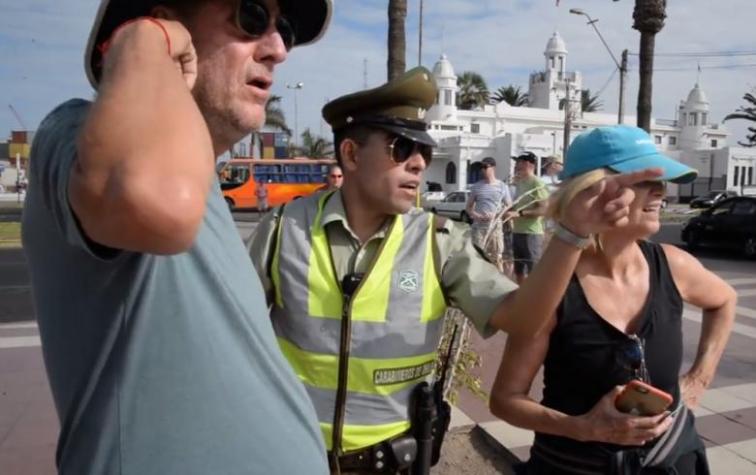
(502, 131)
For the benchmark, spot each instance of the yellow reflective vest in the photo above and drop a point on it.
(360, 359)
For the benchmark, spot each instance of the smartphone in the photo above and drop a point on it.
(642, 399)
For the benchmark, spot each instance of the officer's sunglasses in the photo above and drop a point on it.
(253, 18)
(402, 149)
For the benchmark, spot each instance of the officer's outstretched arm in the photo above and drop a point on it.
(603, 206)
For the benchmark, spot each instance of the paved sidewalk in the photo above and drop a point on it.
(28, 423)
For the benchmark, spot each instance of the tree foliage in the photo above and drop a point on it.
(512, 95)
(747, 112)
(314, 146)
(590, 103)
(473, 91)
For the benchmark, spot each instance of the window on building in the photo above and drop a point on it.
(692, 118)
(713, 143)
(475, 128)
(451, 173)
(552, 62)
(449, 127)
(447, 97)
(735, 175)
(750, 176)
(658, 139)
(704, 118)
(683, 118)
(561, 63)
(673, 140)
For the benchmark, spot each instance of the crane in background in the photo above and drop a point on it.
(18, 117)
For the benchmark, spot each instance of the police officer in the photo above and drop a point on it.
(359, 280)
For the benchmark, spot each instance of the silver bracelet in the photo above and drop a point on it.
(567, 236)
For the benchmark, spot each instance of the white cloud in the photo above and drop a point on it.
(502, 39)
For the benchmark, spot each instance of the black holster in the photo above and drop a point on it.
(430, 417)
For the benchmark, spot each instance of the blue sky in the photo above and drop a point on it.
(42, 43)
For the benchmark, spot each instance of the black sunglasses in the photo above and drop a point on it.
(633, 358)
(403, 148)
(253, 18)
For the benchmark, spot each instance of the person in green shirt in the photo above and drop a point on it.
(359, 278)
(531, 202)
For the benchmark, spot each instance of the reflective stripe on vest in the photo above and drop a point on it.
(396, 322)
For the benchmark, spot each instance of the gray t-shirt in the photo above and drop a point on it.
(489, 198)
(157, 364)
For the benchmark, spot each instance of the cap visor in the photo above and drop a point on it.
(674, 171)
(419, 136)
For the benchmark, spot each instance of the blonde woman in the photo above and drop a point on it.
(619, 319)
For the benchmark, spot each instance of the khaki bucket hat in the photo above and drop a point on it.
(310, 19)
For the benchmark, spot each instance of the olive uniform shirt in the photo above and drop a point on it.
(468, 280)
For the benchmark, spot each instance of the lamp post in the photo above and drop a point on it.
(621, 66)
(296, 87)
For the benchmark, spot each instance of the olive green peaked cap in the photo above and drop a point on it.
(398, 106)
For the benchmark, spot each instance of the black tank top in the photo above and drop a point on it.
(585, 360)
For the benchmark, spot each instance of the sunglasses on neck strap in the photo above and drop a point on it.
(632, 356)
(253, 18)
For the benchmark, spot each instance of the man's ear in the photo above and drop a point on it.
(348, 150)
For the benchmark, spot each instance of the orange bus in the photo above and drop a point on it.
(284, 179)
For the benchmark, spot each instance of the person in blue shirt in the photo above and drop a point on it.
(158, 346)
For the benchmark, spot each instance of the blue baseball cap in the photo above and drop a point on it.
(623, 149)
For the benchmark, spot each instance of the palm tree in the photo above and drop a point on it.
(512, 95)
(397, 13)
(314, 146)
(274, 115)
(648, 18)
(274, 118)
(473, 91)
(746, 113)
(590, 103)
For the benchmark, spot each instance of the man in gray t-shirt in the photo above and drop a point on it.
(157, 341)
(488, 197)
